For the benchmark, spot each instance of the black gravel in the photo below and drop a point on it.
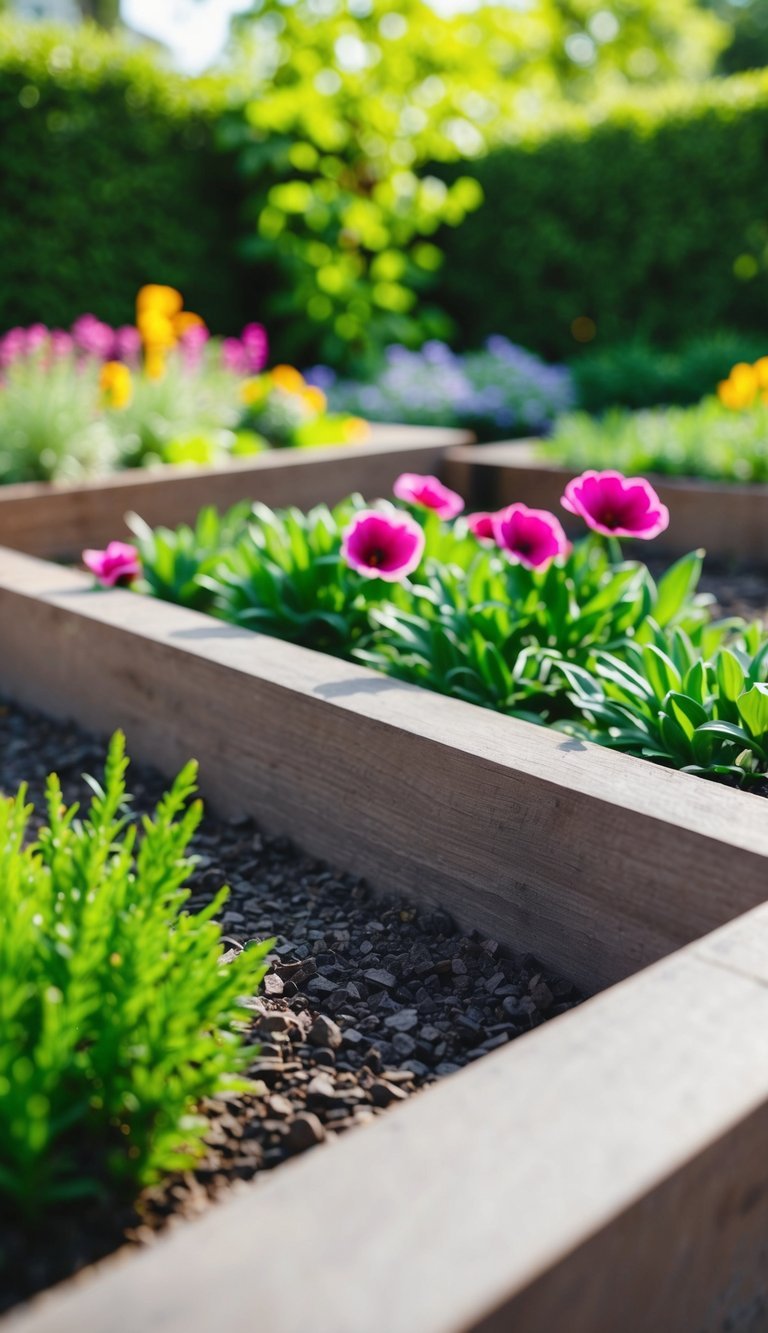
(367, 1001)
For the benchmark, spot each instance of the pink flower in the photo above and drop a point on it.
(119, 564)
(127, 344)
(481, 524)
(616, 505)
(383, 545)
(428, 493)
(61, 343)
(529, 537)
(256, 347)
(234, 356)
(37, 335)
(93, 336)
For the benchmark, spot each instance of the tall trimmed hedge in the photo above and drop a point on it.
(109, 178)
(651, 221)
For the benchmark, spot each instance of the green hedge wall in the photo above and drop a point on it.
(651, 221)
(109, 178)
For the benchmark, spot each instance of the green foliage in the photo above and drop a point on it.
(49, 425)
(279, 572)
(355, 105)
(704, 441)
(648, 220)
(662, 700)
(637, 375)
(110, 179)
(498, 634)
(116, 1014)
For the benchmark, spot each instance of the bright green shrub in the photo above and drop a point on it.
(650, 220)
(116, 1013)
(707, 440)
(353, 104)
(109, 178)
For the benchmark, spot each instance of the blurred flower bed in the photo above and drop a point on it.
(723, 438)
(95, 399)
(499, 390)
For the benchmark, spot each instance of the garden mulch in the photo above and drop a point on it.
(367, 1001)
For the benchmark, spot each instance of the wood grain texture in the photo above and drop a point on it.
(608, 1171)
(59, 521)
(729, 520)
(596, 862)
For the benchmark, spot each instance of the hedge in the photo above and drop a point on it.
(109, 178)
(648, 221)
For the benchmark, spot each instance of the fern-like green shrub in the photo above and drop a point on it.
(116, 1013)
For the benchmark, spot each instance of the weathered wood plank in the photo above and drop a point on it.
(608, 1171)
(730, 520)
(596, 862)
(58, 521)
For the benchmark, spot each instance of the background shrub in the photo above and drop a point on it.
(646, 221)
(110, 179)
(639, 375)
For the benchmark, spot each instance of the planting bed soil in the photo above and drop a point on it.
(366, 1002)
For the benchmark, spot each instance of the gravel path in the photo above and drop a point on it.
(367, 1002)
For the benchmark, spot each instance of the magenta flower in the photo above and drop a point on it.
(92, 335)
(119, 564)
(481, 525)
(61, 343)
(255, 346)
(127, 344)
(383, 545)
(37, 336)
(616, 505)
(529, 537)
(428, 493)
(234, 356)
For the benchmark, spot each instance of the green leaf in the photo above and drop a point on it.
(753, 709)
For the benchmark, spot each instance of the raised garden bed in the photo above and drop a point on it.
(729, 519)
(635, 1126)
(59, 520)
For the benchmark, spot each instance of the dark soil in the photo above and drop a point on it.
(738, 591)
(367, 1002)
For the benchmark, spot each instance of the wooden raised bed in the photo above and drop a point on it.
(730, 520)
(58, 521)
(607, 1171)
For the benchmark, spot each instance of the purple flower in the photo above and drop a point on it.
(93, 336)
(428, 493)
(481, 524)
(616, 505)
(529, 537)
(383, 545)
(256, 347)
(118, 564)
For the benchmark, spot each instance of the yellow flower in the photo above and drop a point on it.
(740, 389)
(163, 300)
(116, 384)
(355, 430)
(288, 379)
(154, 362)
(254, 391)
(186, 320)
(761, 370)
(156, 330)
(314, 399)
